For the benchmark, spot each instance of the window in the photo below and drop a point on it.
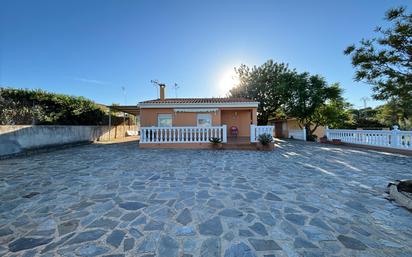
(204, 120)
(164, 120)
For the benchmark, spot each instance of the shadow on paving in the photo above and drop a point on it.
(302, 199)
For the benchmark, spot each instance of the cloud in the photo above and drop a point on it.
(91, 81)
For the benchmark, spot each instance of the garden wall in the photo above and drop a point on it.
(20, 138)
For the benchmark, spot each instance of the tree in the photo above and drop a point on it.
(265, 84)
(313, 102)
(386, 60)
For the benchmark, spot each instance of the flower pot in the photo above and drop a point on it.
(217, 146)
(336, 141)
(268, 147)
(323, 140)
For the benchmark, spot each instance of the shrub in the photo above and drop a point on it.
(265, 139)
(215, 140)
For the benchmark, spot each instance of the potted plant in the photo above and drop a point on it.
(336, 141)
(265, 142)
(323, 140)
(216, 143)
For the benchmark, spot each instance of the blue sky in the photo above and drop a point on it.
(94, 48)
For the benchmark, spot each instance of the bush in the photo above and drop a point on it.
(215, 140)
(265, 139)
(26, 106)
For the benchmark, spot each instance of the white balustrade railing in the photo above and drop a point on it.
(163, 135)
(385, 138)
(299, 134)
(256, 131)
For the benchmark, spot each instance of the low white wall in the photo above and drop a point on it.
(15, 139)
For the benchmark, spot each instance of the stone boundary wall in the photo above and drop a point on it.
(15, 139)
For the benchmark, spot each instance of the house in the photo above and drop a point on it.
(191, 122)
(291, 128)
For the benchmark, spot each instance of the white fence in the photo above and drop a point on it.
(385, 138)
(162, 135)
(256, 131)
(299, 134)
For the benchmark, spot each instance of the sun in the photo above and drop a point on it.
(227, 81)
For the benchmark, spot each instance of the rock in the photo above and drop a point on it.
(5, 232)
(115, 238)
(301, 243)
(149, 243)
(253, 195)
(104, 223)
(67, 227)
(320, 223)
(215, 203)
(267, 218)
(245, 233)
(264, 245)
(128, 244)
(92, 250)
(53, 245)
(239, 250)
(259, 228)
(308, 208)
(154, 225)
(185, 217)
(233, 213)
(351, 243)
(272, 197)
(212, 227)
(132, 206)
(357, 206)
(296, 219)
(168, 247)
(135, 233)
(210, 248)
(27, 243)
(185, 231)
(130, 216)
(86, 236)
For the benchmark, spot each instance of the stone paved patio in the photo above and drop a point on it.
(302, 199)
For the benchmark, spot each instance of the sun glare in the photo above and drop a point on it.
(227, 80)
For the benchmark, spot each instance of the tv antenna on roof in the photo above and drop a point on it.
(176, 87)
(156, 83)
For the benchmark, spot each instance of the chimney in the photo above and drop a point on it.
(162, 91)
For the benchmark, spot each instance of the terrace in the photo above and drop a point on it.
(303, 199)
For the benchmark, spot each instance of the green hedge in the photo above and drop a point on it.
(26, 106)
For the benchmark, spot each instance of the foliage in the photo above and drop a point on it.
(385, 61)
(24, 106)
(265, 84)
(215, 140)
(265, 138)
(314, 103)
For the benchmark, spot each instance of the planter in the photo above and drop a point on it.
(323, 140)
(268, 147)
(336, 141)
(217, 146)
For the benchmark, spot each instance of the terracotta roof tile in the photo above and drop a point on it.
(198, 100)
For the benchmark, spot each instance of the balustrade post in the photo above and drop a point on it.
(395, 139)
(304, 133)
(252, 133)
(224, 139)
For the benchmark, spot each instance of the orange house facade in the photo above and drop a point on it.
(192, 122)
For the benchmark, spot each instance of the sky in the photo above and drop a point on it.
(95, 48)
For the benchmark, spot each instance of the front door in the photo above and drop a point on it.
(278, 129)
